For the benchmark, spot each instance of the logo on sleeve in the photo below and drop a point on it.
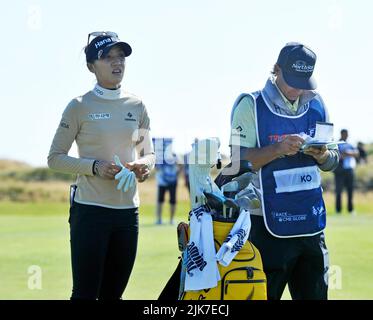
(64, 125)
(238, 132)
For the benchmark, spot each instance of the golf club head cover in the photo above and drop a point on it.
(204, 155)
(251, 193)
(238, 183)
(232, 170)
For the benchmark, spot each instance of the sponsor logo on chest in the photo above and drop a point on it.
(99, 116)
(273, 138)
(129, 117)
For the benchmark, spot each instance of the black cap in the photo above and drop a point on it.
(297, 63)
(100, 46)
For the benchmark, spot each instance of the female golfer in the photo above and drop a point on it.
(111, 130)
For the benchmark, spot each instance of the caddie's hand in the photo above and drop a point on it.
(290, 145)
(319, 154)
(141, 170)
(105, 169)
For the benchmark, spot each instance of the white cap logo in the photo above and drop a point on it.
(301, 66)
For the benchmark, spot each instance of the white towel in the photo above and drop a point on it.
(202, 269)
(235, 239)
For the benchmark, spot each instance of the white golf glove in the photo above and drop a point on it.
(127, 178)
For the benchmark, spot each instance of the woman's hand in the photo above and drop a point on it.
(105, 169)
(141, 170)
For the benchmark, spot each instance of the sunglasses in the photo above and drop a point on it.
(102, 33)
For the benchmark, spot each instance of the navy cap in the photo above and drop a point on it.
(100, 46)
(297, 63)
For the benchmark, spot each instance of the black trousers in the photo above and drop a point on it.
(103, 250)
(344, 178)
(162, 191)
(171, 291)
(300, 262)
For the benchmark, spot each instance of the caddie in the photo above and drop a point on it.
(268, 127)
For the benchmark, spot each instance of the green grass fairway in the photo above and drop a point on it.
(38, 234)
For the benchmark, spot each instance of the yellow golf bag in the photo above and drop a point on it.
(242, 279)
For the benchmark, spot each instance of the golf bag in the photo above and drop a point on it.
(242, 279)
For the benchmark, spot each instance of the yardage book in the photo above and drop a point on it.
(323, 137)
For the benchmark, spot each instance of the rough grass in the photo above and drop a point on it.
(34, 232)
(38, 234)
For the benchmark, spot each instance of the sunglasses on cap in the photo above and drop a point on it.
(102, 33)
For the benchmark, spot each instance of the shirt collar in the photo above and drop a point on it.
(292, 106)
(107, 93)
(277, 101)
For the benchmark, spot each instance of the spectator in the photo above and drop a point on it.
(186, 171)
(344, 174)
(167, 175)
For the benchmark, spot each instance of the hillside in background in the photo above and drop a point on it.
(22, 182)
(9, 165)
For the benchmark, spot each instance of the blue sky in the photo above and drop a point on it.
(190, 60)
